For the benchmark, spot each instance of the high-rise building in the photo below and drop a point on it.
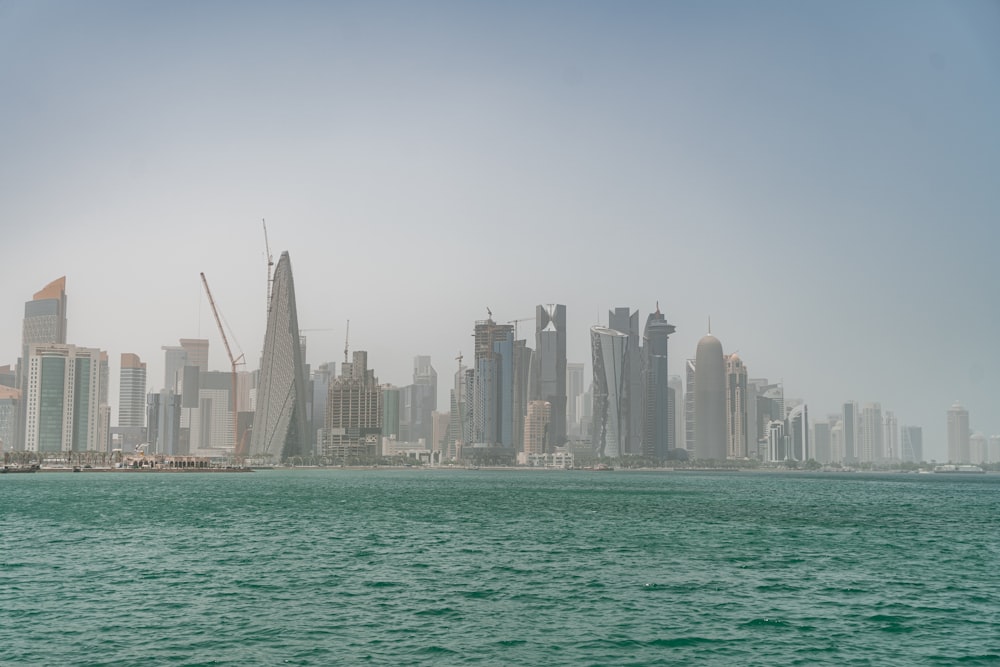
(353, 413)
(44, 322)
(211, 423)
(871, 446)
(131, 392)
(849, 417)
(63, 399)
(837, 441)
(574, 390)
(797, 430)
(279, 426)
(821, 442)
(777, 441)
(523, 383)
(536, 427)
(912, 449)
(677, 386)
(978, 449)
(610, 358)
(737, 405)
(390, 412)
(658, 407)
(710, 400)
(174, 361)
(550, 345)
(994, 449)
(492, 386)
(689, 368)
(890, 439)
(626, 322)
(196, 350)
(958, 434)
(10, 399)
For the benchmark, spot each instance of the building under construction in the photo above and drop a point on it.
(353, 429)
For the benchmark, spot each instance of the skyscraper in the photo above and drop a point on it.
(279, 425)
(871, 447)
(610, 357)
(737, 418)
(196, 351)
(63, 399)
(492, 387)
(710, 400)
(550, 345)
(978, 449)
(912, 448)
(353, 413)
(800, 448)
(677, 385)
(958, 434)
(536, 427)
(689, 369)
(574, 390)
(821, 442)
(658, 408)
(849, 418)
(131, 392)
(626, 322)
(44, 322)
(890, 439)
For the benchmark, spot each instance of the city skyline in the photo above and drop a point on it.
(842, 195)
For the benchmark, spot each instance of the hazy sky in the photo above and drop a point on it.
(822, 179)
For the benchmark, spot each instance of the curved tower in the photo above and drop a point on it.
(610, 357)
(710, 400)
(279, 422)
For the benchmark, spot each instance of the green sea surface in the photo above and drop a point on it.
(458, 567)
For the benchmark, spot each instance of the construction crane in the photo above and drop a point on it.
(520, 319)
(238, 444)
(270, 265)
(347, 338)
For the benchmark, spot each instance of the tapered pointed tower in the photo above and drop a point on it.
(279, 423)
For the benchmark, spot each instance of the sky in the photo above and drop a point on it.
(821, 179)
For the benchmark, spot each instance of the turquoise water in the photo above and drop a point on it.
(414, 567)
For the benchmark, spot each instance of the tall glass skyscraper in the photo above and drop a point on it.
(279, 425)
(550, 345)
(658, 407)
(610, 355)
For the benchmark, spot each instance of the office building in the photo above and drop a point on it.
(689, 369)
(658, 406)
(627, 322)
(710, 400)
(550, 346)
(797, 430)
(10, 399)
(575, 388)
(849, 418)
(958, 434)
(280, 430)
(737, 406)
(63, 410)
(821, 442)
(871, 447)
(536, 427)
(912, 446)
(610, 357)
(196, 351)
(131, 392)
(890, 439)
(978, 448)
(44, 322)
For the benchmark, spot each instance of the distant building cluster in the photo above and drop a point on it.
(514, 400)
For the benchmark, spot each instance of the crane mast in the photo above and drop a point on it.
(234, 362)
(270, 264)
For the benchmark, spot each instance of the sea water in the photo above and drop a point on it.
(456, 567)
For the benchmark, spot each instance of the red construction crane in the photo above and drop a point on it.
(239, 445)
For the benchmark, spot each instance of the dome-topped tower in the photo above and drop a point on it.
(710, 400)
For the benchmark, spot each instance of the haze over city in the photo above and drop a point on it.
(817, 179)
